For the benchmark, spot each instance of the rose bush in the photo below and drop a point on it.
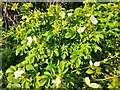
(65, 48)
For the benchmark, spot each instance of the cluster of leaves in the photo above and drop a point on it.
(55, 55)
(12, 13)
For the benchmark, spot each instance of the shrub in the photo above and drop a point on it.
(66, 48)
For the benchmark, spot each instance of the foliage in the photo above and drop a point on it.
(64, 48)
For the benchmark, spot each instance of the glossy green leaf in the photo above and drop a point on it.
(48, 83)
(89, 71)
(43, 77)
(58, 37)
(68, 35)
(63, 56)
(11, 69)
(47, 73)
(56, 52)
(65, 71)
(25, 84)
(49, 68)
(72, 83)
(9, 85)
(16, 85)
(78, 61)
(42, 82)
(62, 64)
(29, 67)
(15, 6)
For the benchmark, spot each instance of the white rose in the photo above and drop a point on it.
(91, 64)
(62, 14)
(57, 81)
(81, 30)
(29, 40)
(18, 73)
(93, 20)
(97, 63)
(69, 14)
(88, 15)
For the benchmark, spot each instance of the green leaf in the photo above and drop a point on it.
(1, 74)
(110, 86)
(56, 52)
(72, 83)
(101, 36)
(115, 82)
(43, 77)
(9, 85)
(25, 83)
(29, 67)
(68, 35)
(73, 35)
(29, 4)
(97, 39)
(59, 70)
(89, 71)
(62, 63)
(78, 72)
(11, 69)
(11, 78)
(47, 73)
(1, 83)
(97, 48)
(73, 57)
(51, 54)
(53, 71)
(78, 61)
(98, 70)
(42, 82)
(63, 56)
(48, 83)
(16, 85)
(15, 6)
(119, 67)
(65, 71)
(49, 68)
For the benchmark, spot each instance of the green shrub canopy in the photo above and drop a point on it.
(64, 48)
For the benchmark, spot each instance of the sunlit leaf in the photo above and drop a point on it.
(42, 82)
(29, 67)
(47, 73)
(11, 69)
(89, 71)
(62, 64)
